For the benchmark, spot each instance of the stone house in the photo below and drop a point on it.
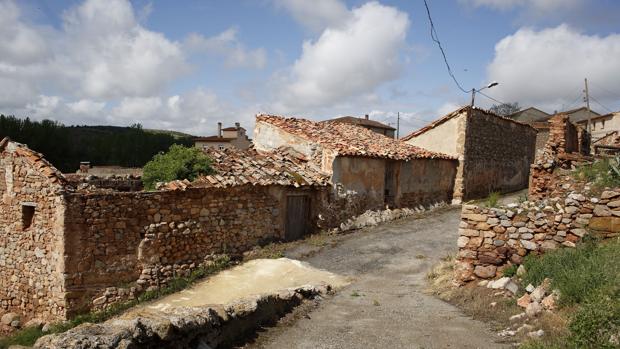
(66, 250)
(375, 169)
(226, 138)
(602, 125)
(494, 152)
(366, 122)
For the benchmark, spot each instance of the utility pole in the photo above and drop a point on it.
(588, 106)
(398, 125)
(473, 96)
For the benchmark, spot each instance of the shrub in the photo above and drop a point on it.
(178, 162)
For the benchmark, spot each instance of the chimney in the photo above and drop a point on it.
(84, 166)
(366, 116)
(237, 125)
(219, 129)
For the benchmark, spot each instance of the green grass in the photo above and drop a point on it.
(510, 271)
(493, 198)
(600, 173)
(588, 279)
(28, 336)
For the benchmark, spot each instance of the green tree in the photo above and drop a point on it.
(178, 163)
(505, 109)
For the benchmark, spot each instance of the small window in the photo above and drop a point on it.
(27, 216)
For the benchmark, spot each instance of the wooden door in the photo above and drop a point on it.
(389, 183)
(297, 217)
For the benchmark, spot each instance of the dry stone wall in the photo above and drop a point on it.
(31, 239)
(497, 155)
(150, 237)
(490, 239)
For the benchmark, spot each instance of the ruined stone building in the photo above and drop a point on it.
(226, 138)
(65, 250)
(366, 122)
(494, 153)
(361, 162)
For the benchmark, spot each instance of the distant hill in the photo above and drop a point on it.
(65, 146)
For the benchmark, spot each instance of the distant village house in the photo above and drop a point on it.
(226, 138)
(367, 123)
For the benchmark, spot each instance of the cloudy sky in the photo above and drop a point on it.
(185, 65)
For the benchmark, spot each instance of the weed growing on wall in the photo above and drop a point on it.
(493, 199)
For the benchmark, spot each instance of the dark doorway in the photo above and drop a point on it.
(390, 183)
(297, 217)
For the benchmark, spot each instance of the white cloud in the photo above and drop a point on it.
(316, 15)
(536, 6)
(100, 52)
(86, 106)
(347, 61)
(228, 46)
(546, 68)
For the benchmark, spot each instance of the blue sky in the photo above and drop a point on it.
(187, 65)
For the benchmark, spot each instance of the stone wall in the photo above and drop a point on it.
(565, 144)
(497, 155)
(150, 237)
(491, 239)
(31, 250)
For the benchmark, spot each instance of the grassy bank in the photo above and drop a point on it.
(28, 336)
(588, 278)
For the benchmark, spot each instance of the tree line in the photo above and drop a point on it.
(66, 146)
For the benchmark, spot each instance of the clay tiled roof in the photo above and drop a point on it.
(454, 114)
(239, 167)
(36, 160)
(350, 140)
(362, 122)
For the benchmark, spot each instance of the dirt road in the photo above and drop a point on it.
(385, 306)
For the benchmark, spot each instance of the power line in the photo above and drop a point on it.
(491, 98)
(616, 94)
(435, 38)
(599, 103)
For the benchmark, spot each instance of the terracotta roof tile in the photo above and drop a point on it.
(238, 167)
(350, 140)
(38, 161)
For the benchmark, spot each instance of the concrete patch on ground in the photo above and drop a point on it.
(218, 312)
(259, 276)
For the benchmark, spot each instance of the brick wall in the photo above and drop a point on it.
(497, 155)
(152, 236)
(31, 258)
(492, 238)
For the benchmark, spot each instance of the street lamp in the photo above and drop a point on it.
(473, 91)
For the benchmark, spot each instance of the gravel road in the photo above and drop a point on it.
(385, 306)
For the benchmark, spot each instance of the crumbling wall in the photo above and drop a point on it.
(426, 181)
(31, 239)
(150, 237)
(564, 145)
(492, 238)
(497, 156)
